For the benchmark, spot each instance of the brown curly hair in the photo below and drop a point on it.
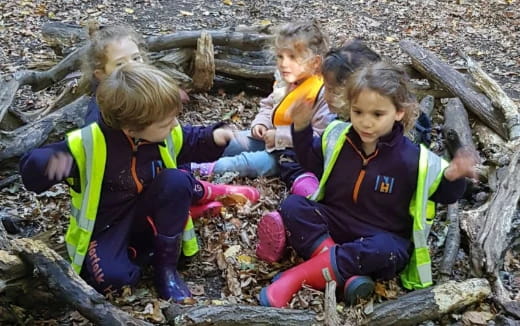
(100, 37)
(305, 39)
(388, 80)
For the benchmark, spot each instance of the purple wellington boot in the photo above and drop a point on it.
(305, 185)
(168, 282)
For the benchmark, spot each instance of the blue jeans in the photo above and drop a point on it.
(248, 157)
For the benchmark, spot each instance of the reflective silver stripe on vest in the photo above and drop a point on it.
(425, 273)
(433, 170)
(171, 148)
(187, 235)
(420, 237)
(74, 211)
(88, 144)
(329, 142)
(332, 139)
(77, 258)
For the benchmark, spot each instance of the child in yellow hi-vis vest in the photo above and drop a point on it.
(108, 48)
(368, 219)
(125, 186)
(336, 66)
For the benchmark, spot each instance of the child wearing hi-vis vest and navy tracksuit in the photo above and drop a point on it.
(128, 198)
(370, 217)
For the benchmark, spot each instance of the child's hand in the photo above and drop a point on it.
(301, 112)
(463, 165)
(258, 131)
(59, 166)
(269, 138)
(222, 136)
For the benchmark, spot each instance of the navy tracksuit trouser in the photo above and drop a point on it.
(161, 207)
(381, 255)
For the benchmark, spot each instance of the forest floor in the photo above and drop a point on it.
(226, 270)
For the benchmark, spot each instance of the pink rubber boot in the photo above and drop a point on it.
(305, 185)
(271, 237)
(315, 272)
(210, 209)
(234, 193)
(323, 246)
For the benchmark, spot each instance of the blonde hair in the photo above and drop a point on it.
(99, 38)
(304, 39)
(387, 80)
(136, 95)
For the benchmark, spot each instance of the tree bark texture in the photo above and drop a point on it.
(494, 235)
(497, 96)
(441, 73)
(429, 304)
(17, 142)
(67, 284)
(240, 315)
(204, 64)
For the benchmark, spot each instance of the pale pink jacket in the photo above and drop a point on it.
(322, 116)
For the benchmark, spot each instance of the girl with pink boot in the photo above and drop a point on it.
(372, 212)
(337, 66)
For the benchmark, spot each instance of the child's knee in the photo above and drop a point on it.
(291, 207)
(384, 250)
(174, 182)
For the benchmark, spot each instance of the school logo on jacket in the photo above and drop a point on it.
(384, 184)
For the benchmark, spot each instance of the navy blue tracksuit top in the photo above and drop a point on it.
(361, 204)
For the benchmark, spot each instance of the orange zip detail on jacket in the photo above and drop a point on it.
(362, 173)
(133, 164)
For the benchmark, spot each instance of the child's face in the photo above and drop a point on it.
(118, 53)
(293, 68)
(157, 131)
(373, 116)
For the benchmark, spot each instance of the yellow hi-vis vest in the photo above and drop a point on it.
(417, 274)
(88, 147)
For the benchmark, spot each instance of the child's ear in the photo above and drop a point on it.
(399, 115)
(99, 74)
(316, 64)
(128, 132)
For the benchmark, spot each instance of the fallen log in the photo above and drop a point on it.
(441, 73)
(67, 285)
(62, 36)
(494, 235)
(451, 244)
(497, 96)
(203, 64)
(17, 142)
(429, 304)
(238, 315)
(456, 129)
(329, 308)
(70, 288)
(244, 70)
(38, 80)
(491, 232)
(491, 145)
(61, 33)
